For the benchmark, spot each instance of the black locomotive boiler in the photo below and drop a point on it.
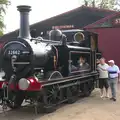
(50, 71)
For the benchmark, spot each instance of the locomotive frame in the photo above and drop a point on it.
(58, 84)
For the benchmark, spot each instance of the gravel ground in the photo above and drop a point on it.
(90, 108)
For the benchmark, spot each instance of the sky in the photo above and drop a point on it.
(41, 9)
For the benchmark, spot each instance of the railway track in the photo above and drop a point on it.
(88, 108)
(24, 105)
(27, 112)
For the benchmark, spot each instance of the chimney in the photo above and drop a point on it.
(24, 31)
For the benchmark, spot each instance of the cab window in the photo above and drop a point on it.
(79, 62)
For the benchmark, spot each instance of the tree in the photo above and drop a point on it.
(117, 5)
(107, 4)
(3, 5)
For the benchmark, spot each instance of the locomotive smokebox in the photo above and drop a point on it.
(24, 31)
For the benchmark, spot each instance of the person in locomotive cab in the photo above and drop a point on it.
(103, 76)
(83, 65)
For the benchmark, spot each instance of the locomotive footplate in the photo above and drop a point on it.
(70, 79)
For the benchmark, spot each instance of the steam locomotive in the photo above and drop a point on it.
(48, 72)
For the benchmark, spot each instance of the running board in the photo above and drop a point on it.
(21, 62)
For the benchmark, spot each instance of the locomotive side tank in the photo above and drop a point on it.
(48, 72)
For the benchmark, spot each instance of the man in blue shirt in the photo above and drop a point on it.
(114, 77)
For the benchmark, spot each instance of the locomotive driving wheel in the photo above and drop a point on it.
(51, 93)
(87, 88)
(72, 94)
(50, 98)
(15, 99)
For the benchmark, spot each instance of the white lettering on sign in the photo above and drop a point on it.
(116, 21)
(63, 27)
(14, 52)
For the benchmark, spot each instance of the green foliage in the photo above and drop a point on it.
(3, 6)
(106, 4)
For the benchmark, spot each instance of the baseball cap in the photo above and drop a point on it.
(111, 61)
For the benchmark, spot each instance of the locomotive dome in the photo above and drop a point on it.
(55, 35)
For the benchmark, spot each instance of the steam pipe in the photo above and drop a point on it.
(24, 31)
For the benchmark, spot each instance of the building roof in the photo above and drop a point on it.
(101, 22)
(80, 11)
(102, 12)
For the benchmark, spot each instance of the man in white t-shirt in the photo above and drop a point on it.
(103, 76)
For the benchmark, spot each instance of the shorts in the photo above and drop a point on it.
(103, 82)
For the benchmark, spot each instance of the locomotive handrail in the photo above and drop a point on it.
(75, 83)
(58, 42)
